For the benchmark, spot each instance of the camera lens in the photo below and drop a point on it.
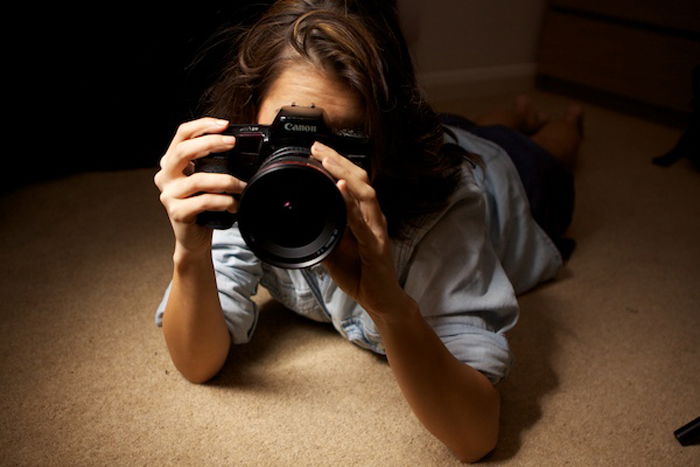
(292, 214)
(295, 210)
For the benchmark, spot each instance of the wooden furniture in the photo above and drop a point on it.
(642, 50)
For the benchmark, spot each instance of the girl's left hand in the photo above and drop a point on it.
(362, 264)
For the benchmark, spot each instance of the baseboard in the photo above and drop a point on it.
(477, 82)
(627, 105)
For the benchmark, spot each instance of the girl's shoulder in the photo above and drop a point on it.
(491, 200)
(466, 205)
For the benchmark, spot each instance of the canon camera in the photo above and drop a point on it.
(291, 213)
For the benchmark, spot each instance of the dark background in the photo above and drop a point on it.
(106, 88)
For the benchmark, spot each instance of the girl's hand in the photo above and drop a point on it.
(362, 264)
(180, 187)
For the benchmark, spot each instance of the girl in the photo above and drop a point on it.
(440, 235)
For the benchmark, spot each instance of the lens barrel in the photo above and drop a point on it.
(291, 213)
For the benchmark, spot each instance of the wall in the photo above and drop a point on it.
(470, 48)
(109, 91)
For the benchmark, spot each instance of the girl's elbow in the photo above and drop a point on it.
(198, 378)
(482, 438)
(476, 453)
(200, 365)
(201, 373)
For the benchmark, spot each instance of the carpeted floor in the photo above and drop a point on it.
(607, 362)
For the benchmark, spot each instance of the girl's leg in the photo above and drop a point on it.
(562, 137)
(522, 117)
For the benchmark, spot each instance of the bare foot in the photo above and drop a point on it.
(532, 119)
(574, 115)
(562, 136)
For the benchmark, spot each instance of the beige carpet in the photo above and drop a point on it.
(607, 362)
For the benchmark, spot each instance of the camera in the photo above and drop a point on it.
(291, 213)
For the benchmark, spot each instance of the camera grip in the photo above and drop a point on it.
(220, 220)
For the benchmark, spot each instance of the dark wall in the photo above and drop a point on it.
(106, 88)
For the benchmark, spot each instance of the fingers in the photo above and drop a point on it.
(186, 210)
(203, 182)
(197, 128)
(179, 156)
(365, 219)
(190, 142)
(186, 197)
(185, 194)
(342, 168)
(365, 215)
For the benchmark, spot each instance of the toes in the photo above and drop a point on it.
(542, 118)
(574, 114)
(523, 102)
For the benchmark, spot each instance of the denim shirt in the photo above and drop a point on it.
(463, 266)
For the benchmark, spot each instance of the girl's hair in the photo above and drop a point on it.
(360, 43)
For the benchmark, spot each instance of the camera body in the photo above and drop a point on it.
(291, 213)
(293, 127)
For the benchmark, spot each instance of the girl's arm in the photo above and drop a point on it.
(455, 402)
(193, 323)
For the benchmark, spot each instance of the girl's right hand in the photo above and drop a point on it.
(179, 187)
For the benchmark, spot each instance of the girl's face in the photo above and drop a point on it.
(304, 85)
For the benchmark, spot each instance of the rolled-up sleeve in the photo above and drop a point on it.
(462, 290)
(238, 272)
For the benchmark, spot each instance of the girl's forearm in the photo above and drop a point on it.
(455, 402)
(193, 324)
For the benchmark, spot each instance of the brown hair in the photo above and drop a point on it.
(360, 43)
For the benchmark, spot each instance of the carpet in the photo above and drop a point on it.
(606, 356)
